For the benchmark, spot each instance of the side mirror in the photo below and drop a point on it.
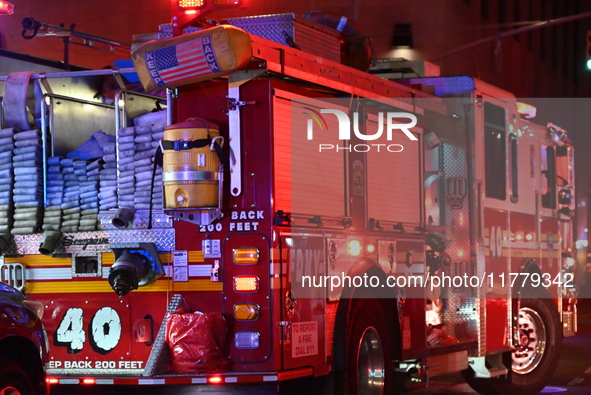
(565, 214)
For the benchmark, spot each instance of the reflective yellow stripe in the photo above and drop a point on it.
(196, 256)
(108, 258)
(34, 287)
(39, 260)
(68, 287)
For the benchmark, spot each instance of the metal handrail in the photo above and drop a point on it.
(82, 73)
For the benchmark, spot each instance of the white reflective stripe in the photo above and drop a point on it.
(151, 381)
(69, 381)
(269, 378)
(105, 381)
(49, 273)
(200, 270)
(275, 268)
(231, 379)
(194, 270)
(200, 380)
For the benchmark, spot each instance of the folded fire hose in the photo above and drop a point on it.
(22, 101)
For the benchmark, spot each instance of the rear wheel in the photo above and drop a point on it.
(536, 353)
(14, 380)
(369, 351)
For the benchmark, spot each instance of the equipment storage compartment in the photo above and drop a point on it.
(287, 29)
(294, 31)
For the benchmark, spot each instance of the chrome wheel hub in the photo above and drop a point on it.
(370, 364)
(531, 338)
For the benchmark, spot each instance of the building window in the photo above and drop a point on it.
(494, 152)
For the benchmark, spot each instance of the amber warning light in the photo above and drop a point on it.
(6, 8)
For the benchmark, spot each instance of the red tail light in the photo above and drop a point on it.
(246, 283)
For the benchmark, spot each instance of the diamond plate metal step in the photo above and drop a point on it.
(158, 360)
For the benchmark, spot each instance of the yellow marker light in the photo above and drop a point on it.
(246, 283)
(191, 3)
(245, 255)
(354, 248)
(246, 311)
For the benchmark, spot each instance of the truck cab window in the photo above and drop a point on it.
(514, 169)
(494, 151)
(548, 177)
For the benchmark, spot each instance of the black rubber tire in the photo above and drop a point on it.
(367, 325)
(534, 381)
(14, 380)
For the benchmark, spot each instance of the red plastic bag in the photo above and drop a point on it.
(196, 343)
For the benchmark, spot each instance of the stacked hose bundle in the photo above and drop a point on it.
(6, 179)
(52, 218)
(28, 182)
(88, 174)
(125, 161)
(71, 200)
(146, 142)
(108, 186)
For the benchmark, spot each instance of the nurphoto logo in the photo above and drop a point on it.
(345, 128)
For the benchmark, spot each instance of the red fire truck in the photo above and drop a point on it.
(317, 221)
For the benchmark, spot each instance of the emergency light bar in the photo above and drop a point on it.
(6, 8)
(200, 4)
(187, 12)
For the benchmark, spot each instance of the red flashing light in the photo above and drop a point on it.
(6, 8)
(88, 381)
(246, 283)
(215, 380)
(52, 381)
